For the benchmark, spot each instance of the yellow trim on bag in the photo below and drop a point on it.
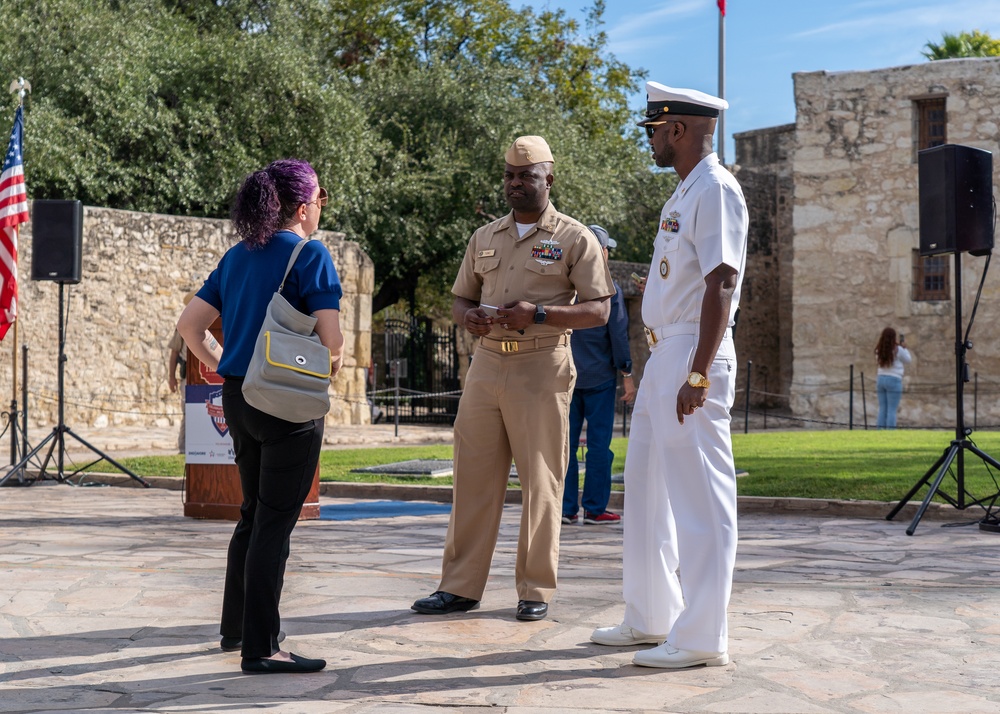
(267, 356)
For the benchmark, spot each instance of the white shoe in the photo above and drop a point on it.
(669, 657)
(623, 636)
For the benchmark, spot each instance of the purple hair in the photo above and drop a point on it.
(268, 199)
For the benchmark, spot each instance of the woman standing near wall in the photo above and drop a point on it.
(892, 355)
(275, 209)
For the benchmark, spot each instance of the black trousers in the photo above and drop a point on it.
(277, 460)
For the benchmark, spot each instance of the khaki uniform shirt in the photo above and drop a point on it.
(558, 260)
(176, 344)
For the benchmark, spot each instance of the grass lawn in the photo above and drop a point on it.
(859, 465)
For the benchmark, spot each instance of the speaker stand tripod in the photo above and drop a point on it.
(18, 422)
(955, 452)
(57, 437)
(18, 445)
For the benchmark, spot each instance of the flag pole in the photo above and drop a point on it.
(22, 87)
(722, 79)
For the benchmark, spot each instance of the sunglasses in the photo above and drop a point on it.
(322, 199)
(651, 127)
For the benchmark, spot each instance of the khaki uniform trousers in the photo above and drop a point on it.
(513, 405)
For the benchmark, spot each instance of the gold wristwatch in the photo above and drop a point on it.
(698, 380)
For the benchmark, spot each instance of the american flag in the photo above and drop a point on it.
(13, 212)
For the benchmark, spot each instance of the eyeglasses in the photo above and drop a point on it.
(322, 199)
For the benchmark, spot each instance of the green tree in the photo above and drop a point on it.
(165, 106)
(448, 127)
(963, 44)
(403, 106)
(448, 86)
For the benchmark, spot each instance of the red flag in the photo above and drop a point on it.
(722, 6)
(13, 212)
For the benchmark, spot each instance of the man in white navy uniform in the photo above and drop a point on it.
(680, 505)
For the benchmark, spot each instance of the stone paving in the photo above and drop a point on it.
(109, 602)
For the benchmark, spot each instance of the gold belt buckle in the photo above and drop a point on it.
(508, 345)
(650, 337)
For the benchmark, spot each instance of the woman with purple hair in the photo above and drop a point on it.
(276, 208)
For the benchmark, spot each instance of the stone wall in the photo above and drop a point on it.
(137, 267)
(763, 334)
(855, 222)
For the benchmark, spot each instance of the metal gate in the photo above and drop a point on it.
(426, 359)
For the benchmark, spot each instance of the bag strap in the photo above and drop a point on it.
(291, 261)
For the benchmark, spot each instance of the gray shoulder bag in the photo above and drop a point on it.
(289, 373)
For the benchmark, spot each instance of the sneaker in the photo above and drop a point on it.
(570, 520)
(601, 519)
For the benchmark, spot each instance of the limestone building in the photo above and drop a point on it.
(834, 248)
(137, 267)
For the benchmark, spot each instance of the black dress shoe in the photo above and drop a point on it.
(235, 644)
(263, 665)
(441, 603)
(531, 610)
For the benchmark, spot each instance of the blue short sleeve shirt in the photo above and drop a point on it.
(242, 285)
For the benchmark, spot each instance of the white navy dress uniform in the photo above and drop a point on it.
(680, 505)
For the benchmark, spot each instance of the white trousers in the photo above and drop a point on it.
(680, 502)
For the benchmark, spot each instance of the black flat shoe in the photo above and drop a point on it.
(531, 610)
(263, 665)
(441, 603)
(235, 644)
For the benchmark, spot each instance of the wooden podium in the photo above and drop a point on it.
(213, 490)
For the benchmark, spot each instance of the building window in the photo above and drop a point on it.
(930, 277)
(931, 121)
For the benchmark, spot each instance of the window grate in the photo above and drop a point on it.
(930, 277)
(932, 123)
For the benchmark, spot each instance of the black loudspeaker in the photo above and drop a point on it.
(956, 200)
(56, 240)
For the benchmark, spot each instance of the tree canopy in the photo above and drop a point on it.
(963, 44)
(404, 107)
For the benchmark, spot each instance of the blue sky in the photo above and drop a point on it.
(767, 41)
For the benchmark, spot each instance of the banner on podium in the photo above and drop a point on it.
(206, 434)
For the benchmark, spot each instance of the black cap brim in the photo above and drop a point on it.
(654, 110)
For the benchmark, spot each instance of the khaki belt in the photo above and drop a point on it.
(524, 345)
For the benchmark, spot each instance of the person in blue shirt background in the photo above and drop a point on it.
(600, 354)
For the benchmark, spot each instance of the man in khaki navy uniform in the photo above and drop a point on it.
(680, 505)
(514, 292)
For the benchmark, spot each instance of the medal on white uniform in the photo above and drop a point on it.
(664, 268)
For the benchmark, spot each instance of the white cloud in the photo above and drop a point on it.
(889, 18)
(641, 27)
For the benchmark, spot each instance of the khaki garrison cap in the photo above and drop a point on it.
(527, 150)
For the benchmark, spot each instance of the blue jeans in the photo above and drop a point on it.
(890, 391)
(597, 406)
